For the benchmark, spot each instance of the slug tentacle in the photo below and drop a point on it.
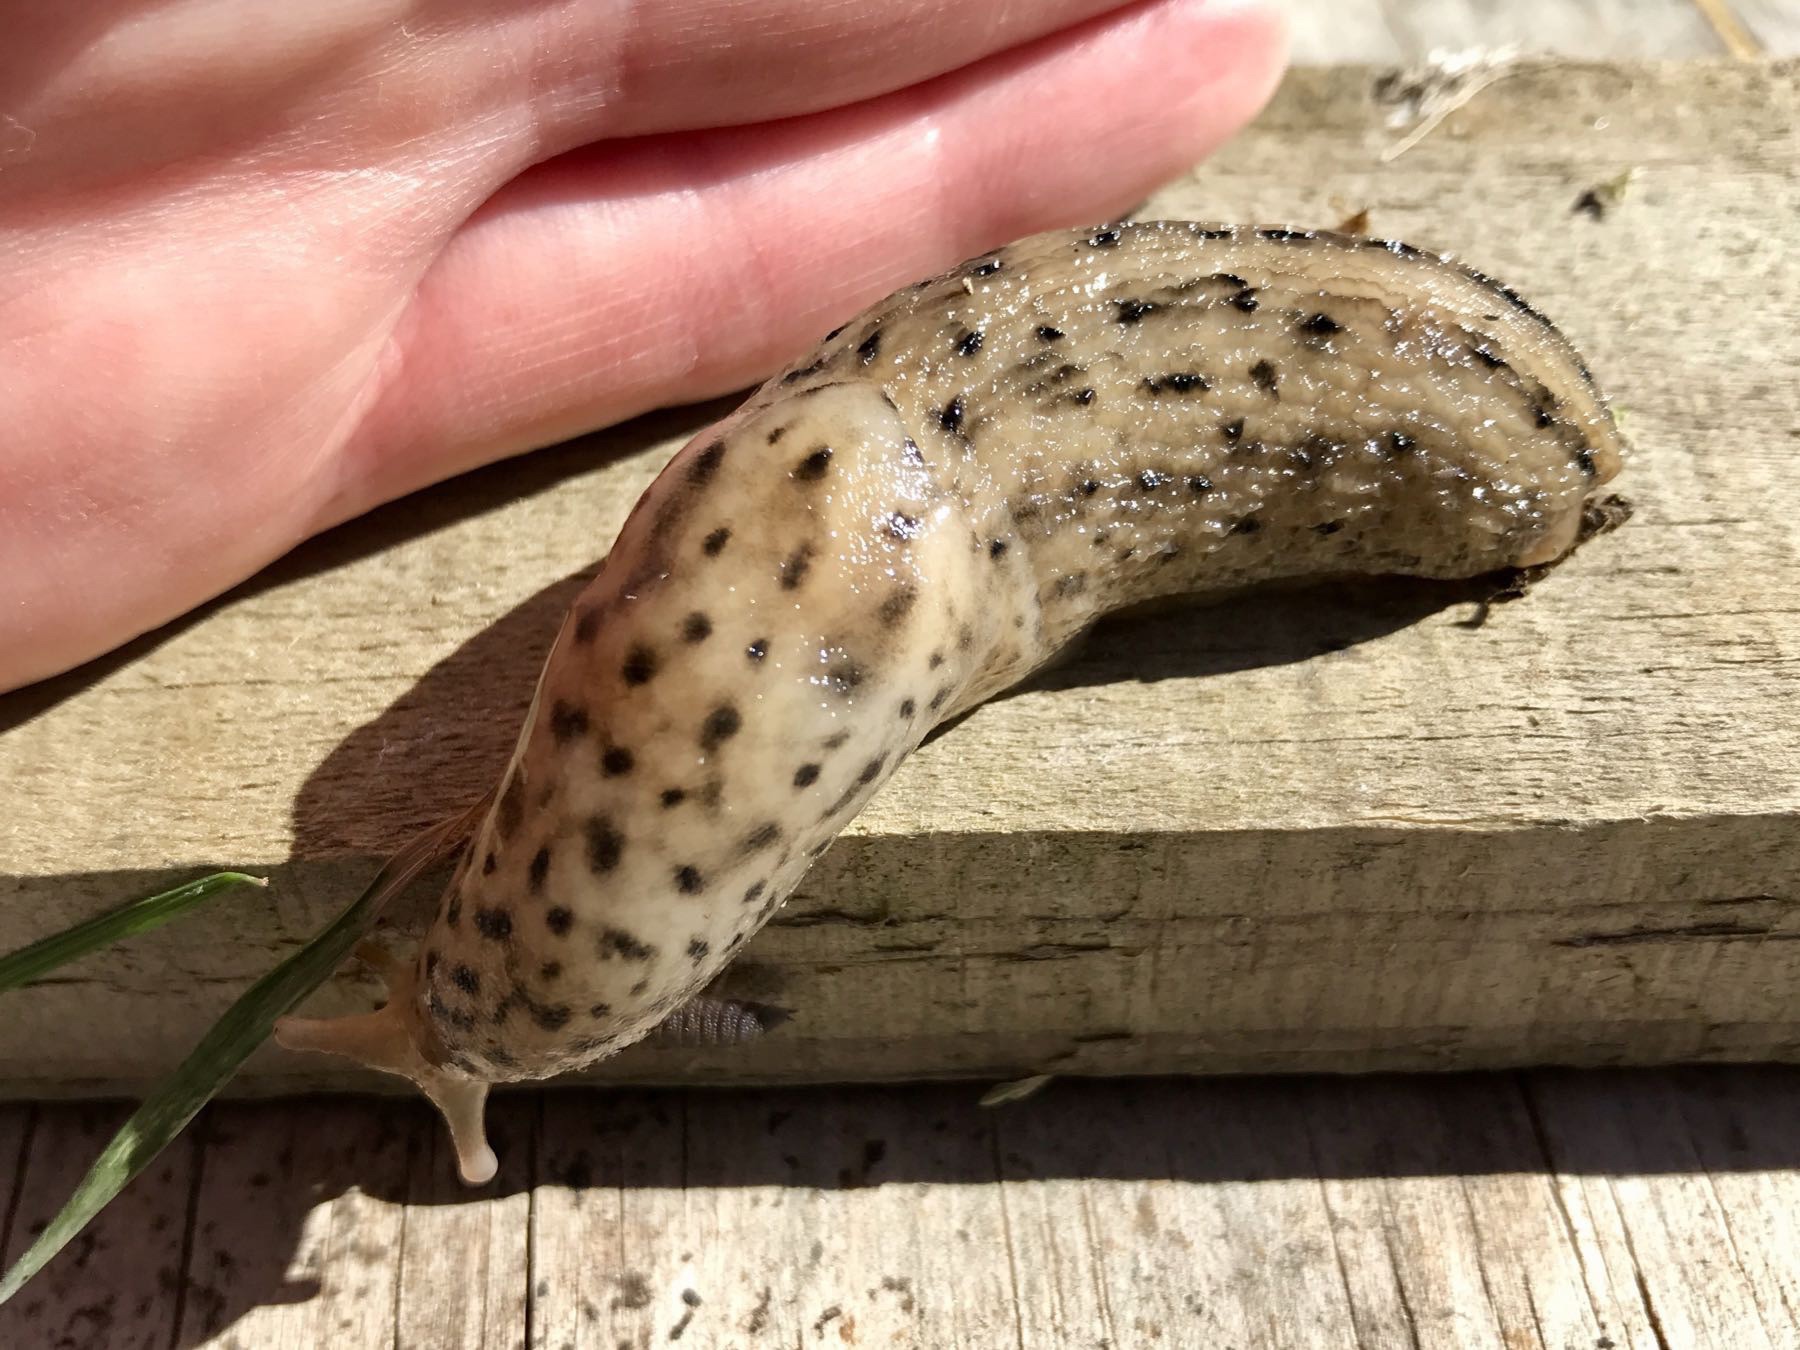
(923, 512)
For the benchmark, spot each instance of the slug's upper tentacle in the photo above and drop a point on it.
(927, 509)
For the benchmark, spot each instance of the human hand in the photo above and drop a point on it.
(269, 266)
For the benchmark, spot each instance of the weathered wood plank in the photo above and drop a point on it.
(1404, 31)
(16, 1125)
(465, 1259)
(1650, 1210)
(1660, 1220)
(1342, 830)
(118, 1286)
(298, 1229)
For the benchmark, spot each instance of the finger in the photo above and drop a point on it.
(681, 65)
(629, 277)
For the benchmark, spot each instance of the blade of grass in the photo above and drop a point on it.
(136, 916)
(233, 1038)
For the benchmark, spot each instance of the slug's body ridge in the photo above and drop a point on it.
(930, 507)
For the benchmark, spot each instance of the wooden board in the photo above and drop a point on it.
(1641, 1210)
(1343, 831)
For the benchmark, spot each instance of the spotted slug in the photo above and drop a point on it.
(951, 489)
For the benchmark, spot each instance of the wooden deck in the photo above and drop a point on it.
(1540, 1210)
(1627, 1210)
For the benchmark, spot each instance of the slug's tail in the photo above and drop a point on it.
(390, 1039)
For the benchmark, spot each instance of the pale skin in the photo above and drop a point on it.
(267, 266)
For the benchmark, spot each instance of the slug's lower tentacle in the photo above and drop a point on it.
(923, 512)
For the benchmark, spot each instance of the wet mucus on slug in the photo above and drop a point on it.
(920, 513)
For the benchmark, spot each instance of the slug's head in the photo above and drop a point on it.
(396, 1038)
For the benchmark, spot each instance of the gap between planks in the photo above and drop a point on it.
(1654, 1209)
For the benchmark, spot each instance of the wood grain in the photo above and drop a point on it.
(1643, 1210)
(1343, 830)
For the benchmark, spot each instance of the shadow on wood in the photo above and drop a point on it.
(323, 1185)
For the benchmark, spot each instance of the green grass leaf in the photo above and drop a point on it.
(233, 1038)
(138, 916)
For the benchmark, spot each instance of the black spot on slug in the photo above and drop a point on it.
(872, 770)
(587, 624)
(714, 543)
(910, 452)
(1482, 353)
(844, 677)
(757, 649)
(940, 698)
(1247, 525)
(688, 879)
(1073, 583)
(869, 347)
(1181, 382)
(559, 920)
(640, 665)
(567, 721)
(1048, 334)
(997, 548)
(599, 1010)
(697, 949)
(617, 761)
(970, 344)
(550, 970)
(761, 837)
(794, 570)
(539, 869)
(1199, 484)
(903, 526)
(1233, 431)
(812, 468)
(696, 627)
(1265, 377)
(1083, 396)
(550, 1016)
(1329, 527)
(465, 979)
(707, 462)
(1399, 443)
(1320, 325)
(776, 435)
(806, 775)
(617, 942)
(754, 894)
(937, 659)
(1584, 460)
(897, 605)
(453, 912)
(673, 797)
(951, 418)
(986, 269)
(907, 708)
(1245, 300)
(836, 740)
(721, 725)
(604, 844)
(1288, 236)
(1103, 239)
(1089, 487)
(1130, 311)
(493, 924)
(490, 864)
(1231, 279)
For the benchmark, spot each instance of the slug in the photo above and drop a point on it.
(951, 489)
